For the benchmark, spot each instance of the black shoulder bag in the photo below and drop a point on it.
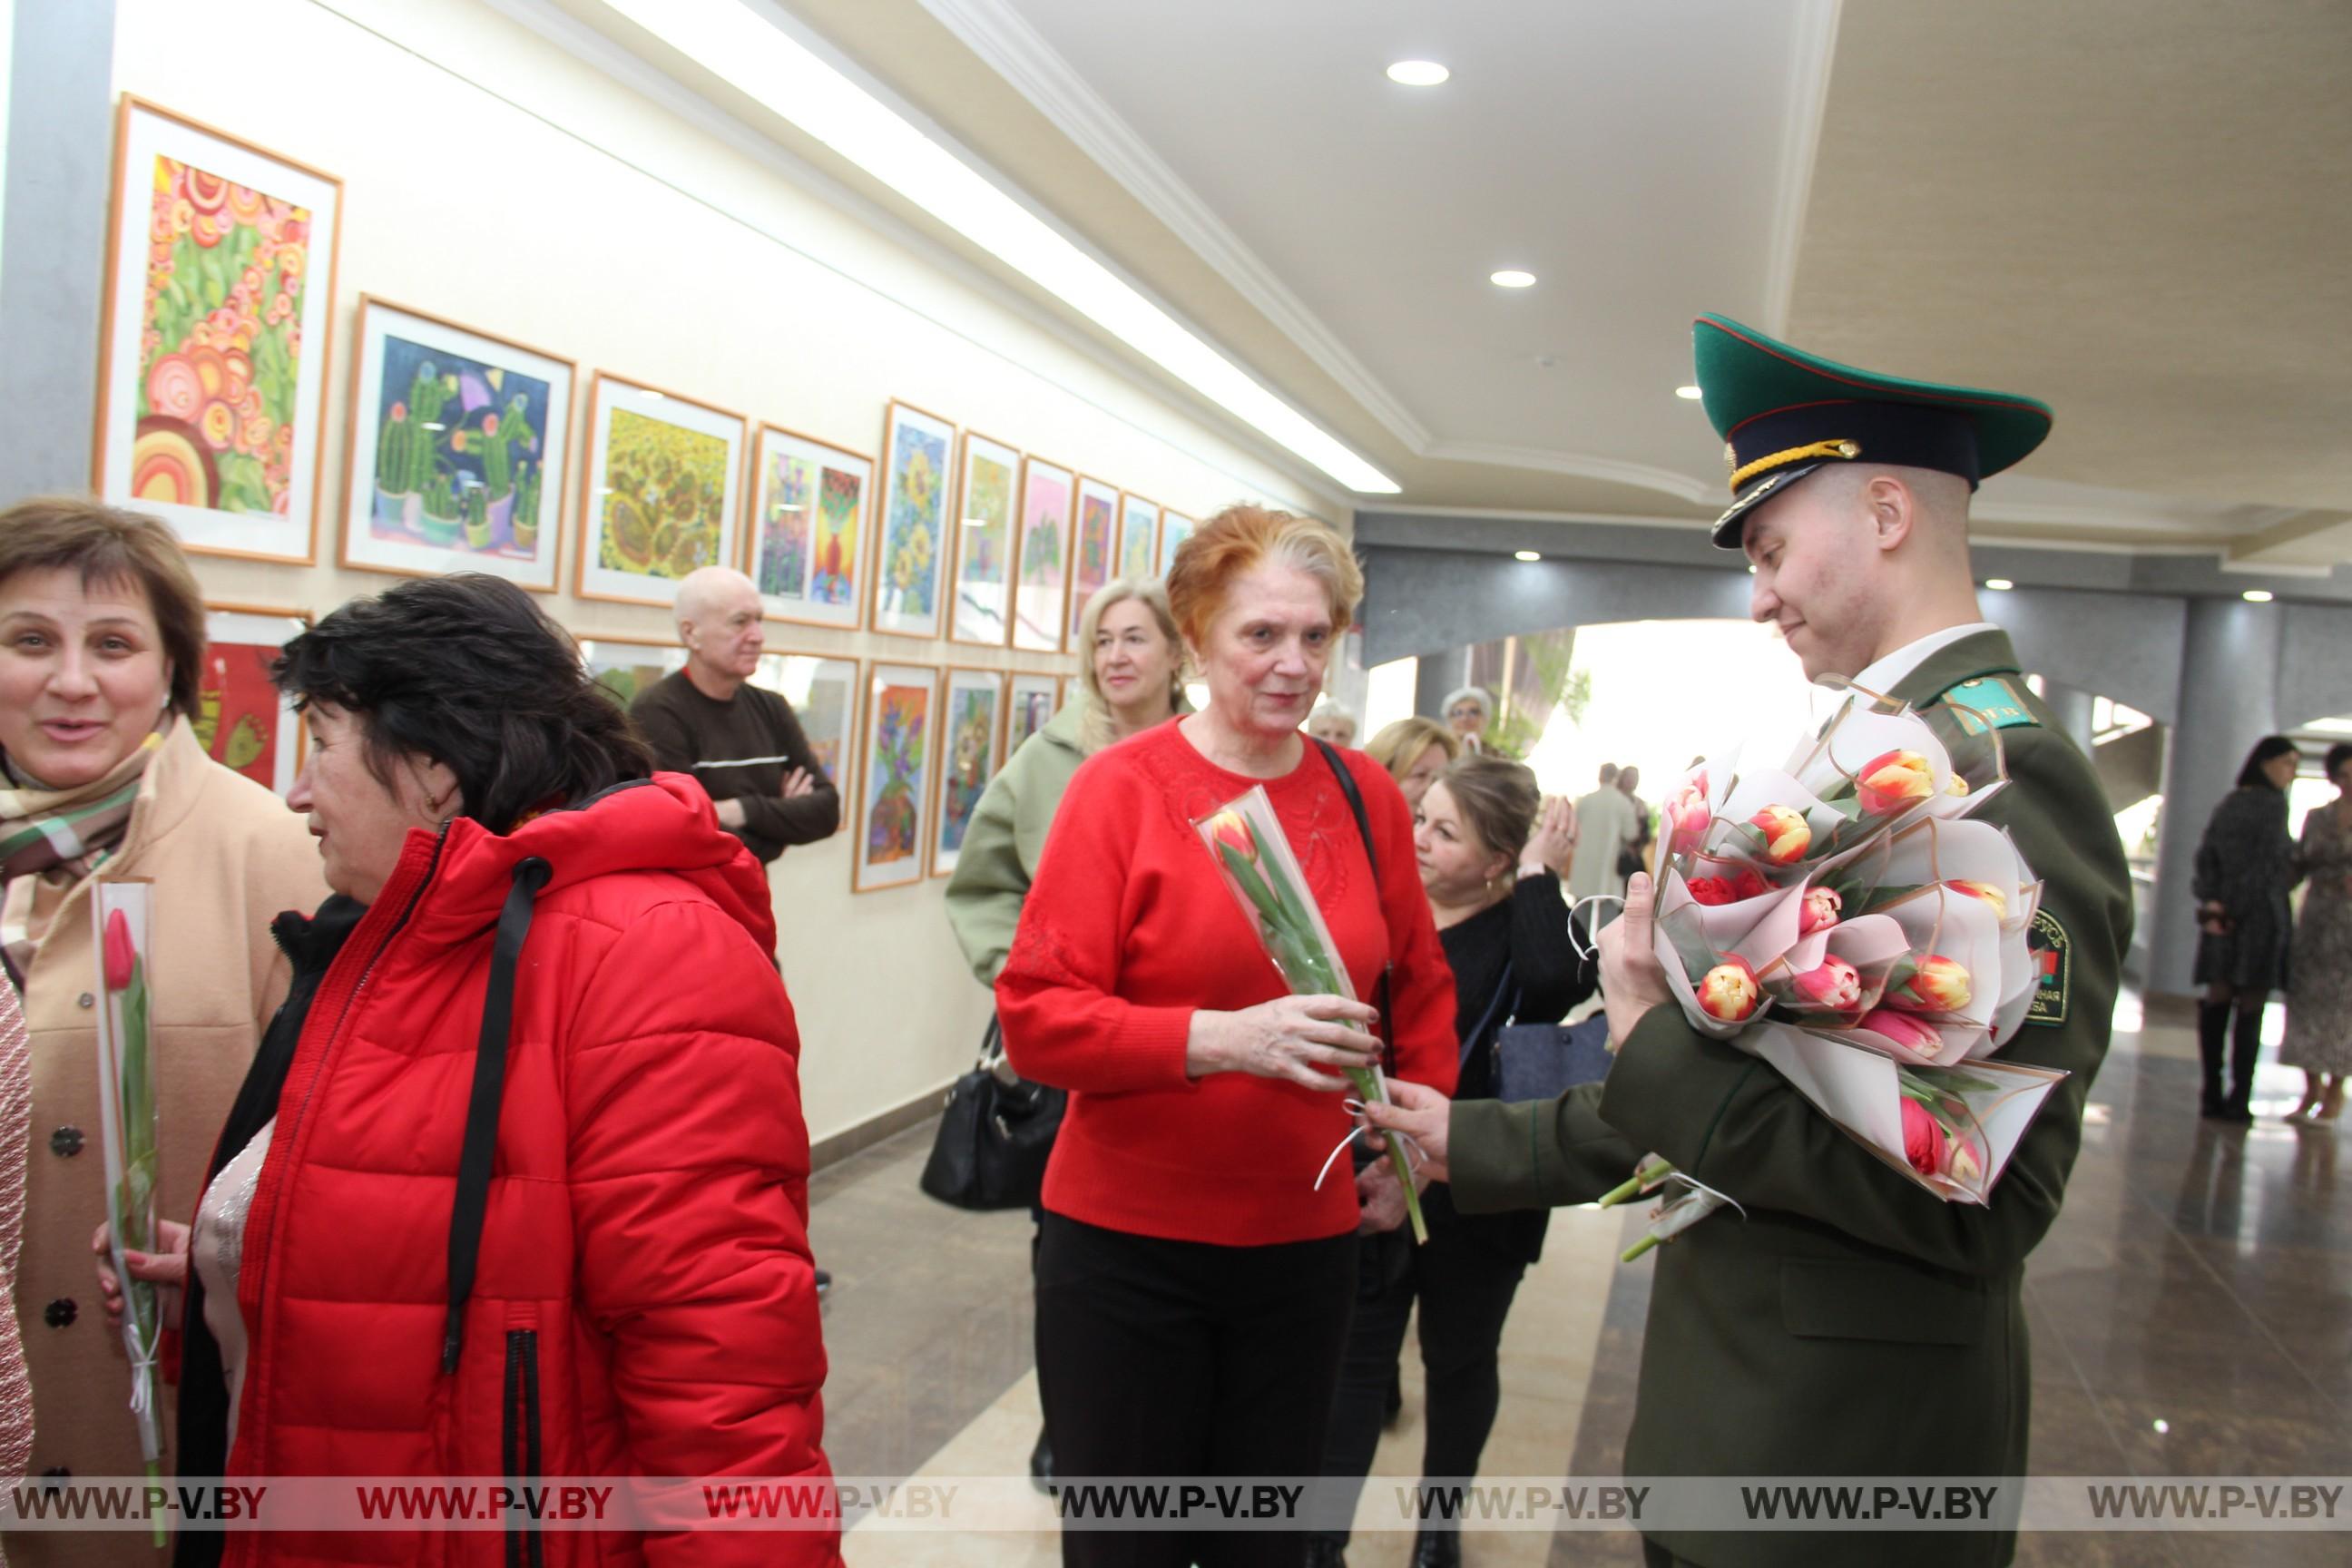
(1380, 997)
(994, 1139)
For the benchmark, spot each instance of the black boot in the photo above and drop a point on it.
(1327, 1552)
(1041, 1464)
(2245, 1049)
(1436, 1548)
(2213, 1043)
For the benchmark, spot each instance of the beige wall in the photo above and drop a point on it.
(493, 179)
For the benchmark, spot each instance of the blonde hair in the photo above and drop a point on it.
(1241, 538)
(1095, 730)
(1400, 745)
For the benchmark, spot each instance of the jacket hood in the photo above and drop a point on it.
(664, 824)
(1066, 728)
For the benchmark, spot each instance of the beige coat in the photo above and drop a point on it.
(226, 856)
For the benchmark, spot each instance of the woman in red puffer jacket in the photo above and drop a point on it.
(518, 1187)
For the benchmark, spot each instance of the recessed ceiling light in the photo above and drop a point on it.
(1512, 277)
(2000, 584)
(2256, 595)
(1687, 394)
(1418, 73)
(1525, 556)
(751, 54)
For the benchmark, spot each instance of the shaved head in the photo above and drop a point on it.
(705, 595)
(717, 612)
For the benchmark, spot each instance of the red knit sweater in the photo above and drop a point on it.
(1129, 930)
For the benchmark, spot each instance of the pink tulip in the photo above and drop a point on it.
(1924, 1143)
(1687, 816)
(1988, 893)
(1820, 910)
(1892, 781)
(1728, 991)
(1834, 984)
(1232, 832)
(121, 955)
(1909, 1033)
(1786, 835)
(1936, 984)
(1961, 1162)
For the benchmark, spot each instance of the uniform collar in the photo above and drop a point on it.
(1887, 671)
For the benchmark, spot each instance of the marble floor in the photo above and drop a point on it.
(2192, 1313)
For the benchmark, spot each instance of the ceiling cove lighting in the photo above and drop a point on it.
(1512, 277)
(1687, 394)
(2000, 584)
(1525, 555)
(2257, 595)
(1418, 73)
(730, 40)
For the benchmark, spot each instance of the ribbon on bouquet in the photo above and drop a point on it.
(1411, 1146)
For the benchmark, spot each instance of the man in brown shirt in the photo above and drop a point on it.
(740, 740)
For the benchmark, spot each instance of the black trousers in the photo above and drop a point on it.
(1465, 1287)
(1177, 1358)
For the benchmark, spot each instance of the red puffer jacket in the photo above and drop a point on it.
(642, 1300)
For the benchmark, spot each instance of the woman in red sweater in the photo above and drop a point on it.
(1193, 1285)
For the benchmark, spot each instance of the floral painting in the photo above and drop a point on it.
(918, 455)
(242, 721)
(662, 492)
(974, 698)
(894, 790)
(221, 282)
(808, 529)
(1042, 597)
(1096, 535)
(983, 575)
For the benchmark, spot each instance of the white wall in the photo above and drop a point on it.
(7, 57)
(614, 232)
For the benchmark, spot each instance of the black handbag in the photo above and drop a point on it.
(995, 1137)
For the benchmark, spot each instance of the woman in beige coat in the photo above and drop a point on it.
(101, 650)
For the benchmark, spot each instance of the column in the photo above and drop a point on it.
(2228, 692)
(1439, 676)
(2071, 705)
(59, 177)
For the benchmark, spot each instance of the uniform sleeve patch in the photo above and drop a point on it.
(1992, 697)
(2053, 956)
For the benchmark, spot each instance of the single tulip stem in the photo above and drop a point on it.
(1639, 1247)
(1641, 1181)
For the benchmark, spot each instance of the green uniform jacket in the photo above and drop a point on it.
(1853, 1325)
(1004, 839)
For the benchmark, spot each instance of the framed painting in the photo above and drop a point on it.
(218, 316)
(807, 545)
(1175, 528)
(1095, 543)
(824, 696)
(1029, 706)
(971, 751)
(665, 481)
(243, 721)
(917, 464)
(984, 535)
(625, 668)
(892, 800)
(456, 450)
(1139, 537)
(1040, 594)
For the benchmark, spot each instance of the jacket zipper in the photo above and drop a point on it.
(519, 1441)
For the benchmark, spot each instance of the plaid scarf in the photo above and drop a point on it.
(62, 836)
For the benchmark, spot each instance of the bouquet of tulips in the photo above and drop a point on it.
(1255, 858)
(127, 1114)
(1830, 908)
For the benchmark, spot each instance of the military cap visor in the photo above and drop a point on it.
(1783, 413)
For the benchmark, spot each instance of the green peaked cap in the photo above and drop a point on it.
(1782, 412)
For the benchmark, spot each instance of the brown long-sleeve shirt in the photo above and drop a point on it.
(692, 733)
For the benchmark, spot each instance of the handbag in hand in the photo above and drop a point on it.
(991, 1149)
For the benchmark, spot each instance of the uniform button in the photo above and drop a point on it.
(66, 1143)
(61, 1313)
(86, 1000)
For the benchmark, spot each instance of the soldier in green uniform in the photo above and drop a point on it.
(1851, 1325)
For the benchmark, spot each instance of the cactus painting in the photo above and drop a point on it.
(465, 468)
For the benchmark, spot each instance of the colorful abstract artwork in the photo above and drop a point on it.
(823, 697)
(1042, 596)
(808, 529)
(1174, 529)
(242, 720)
(664, 487)
(917, 460)
(459, 448)
(1029, 707)
(1139, 538)
(893, 788)
(220, 290)
(969, 758)
(1096, 537)
(984, 542)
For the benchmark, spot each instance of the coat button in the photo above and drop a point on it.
(61, 1313)
(86, 1000)
(66, 1143)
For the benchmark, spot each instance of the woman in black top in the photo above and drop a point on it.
(2245, 869)
(1491, 853)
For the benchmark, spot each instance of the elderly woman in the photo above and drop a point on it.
(102, 666)
(1332, 724)
(2244, 875)
(1131, 678)
(1193, 1281)
(499, 1196)
(1415, 752)
(1468, 712)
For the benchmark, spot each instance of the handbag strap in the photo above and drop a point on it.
(1495, 1013)
(1373, 855)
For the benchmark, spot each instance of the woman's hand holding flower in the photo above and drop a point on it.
(1291, 1037)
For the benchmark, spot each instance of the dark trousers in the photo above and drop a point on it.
(1177, 1358)
(1465, 1288)
(2238, 1025)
